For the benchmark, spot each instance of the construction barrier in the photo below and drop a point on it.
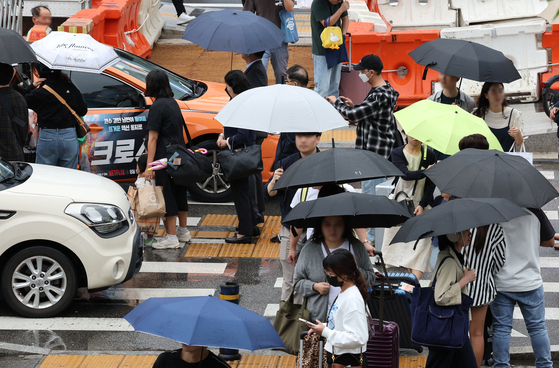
(550, 40)
(150, 20)
(518, 41)
(403, 73)
(112, 22)
(359, 12)
(60, 9)
(482, 11)
(415, 14)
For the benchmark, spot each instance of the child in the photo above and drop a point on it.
(141, 182)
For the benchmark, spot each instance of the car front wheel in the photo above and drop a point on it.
(39, 282)
(216, 188)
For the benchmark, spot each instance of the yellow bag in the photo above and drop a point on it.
(331, 37)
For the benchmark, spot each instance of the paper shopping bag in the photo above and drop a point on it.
(150, 201)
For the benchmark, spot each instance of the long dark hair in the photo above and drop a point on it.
(481, 237)
(52, 74)
(157, 85)
(342, 263)
(483, 102)
(445, 243)
(318, 236)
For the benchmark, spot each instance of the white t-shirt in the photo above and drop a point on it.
(335, 290)
(312, 194)
(521, 271)
(347, 327)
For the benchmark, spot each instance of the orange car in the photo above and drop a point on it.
(118, 112)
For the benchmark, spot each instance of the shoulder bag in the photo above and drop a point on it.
(242, 162)
(439, 326)
(186, 164)
(407, 203)
(288, 25)
(287, 322)
(81, 127)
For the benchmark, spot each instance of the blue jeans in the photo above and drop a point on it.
(280, 59)
(532, 306)
(326, 81)
(370, 187)
(58, 147)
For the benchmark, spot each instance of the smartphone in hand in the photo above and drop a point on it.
(307, 322)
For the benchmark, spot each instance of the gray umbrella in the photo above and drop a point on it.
(361, 210)
(456, 216)
(14, 49)
(473, 173)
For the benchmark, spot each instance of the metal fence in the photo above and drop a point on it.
(10, 14)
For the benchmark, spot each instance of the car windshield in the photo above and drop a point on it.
(6, 170)
(183, 89)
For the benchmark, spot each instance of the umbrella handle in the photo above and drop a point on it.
(427, 69)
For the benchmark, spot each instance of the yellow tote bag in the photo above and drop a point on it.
(331, 36)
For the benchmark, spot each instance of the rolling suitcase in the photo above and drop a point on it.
(309, 356)
(351, 86)
(383, 349)
(397, 306)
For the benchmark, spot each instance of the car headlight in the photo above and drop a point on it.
(102, 218)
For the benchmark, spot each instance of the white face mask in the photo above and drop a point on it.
(364, 77)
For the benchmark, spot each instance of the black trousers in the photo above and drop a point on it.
(452, 358)
(257, 193)
(240, 189)
(348, 360)
(179, 7)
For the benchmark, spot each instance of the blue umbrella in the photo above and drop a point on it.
(205, 321)
(237, 31)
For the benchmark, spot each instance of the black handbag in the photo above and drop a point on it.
(186, 166)
(407, 203)
(242, 162)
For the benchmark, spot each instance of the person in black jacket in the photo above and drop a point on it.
(412, 160)
(189, 357)
(255, 71)
(57, 144)
(233, 138)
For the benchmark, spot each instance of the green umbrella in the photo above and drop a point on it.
(442, 126)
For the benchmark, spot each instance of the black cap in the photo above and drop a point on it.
(371, 62)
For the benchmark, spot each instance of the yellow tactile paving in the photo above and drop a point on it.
(212, 234)
(203, 250)
(62, 361)
(303, 30)
(264, 248)
(339, 135)
(302, 16)
(236, 250)
(104, 361)
(287, 362)
(413, 362)
(259, 361)
(138, 361)
(234, 364)
(272, 225)
(220, 220)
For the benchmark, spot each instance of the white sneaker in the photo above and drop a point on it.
(186, 18)
(166, 243)
(184, 237)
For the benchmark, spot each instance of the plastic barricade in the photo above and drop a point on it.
(91, 21)
(550, 40)
(150, 20)
(403, 73)
(481, 11)
(121, 26)
(359, 12)
(415, 14)
(518, 41)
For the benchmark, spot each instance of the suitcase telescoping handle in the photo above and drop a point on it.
(383, 278)
(320, 348)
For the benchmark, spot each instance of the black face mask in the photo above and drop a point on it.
(333, 280)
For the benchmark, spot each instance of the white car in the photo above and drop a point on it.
(60, 230)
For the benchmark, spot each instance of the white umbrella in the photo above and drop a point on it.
(74, 51)
(281, 109)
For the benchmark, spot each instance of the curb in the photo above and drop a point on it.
(524, 353)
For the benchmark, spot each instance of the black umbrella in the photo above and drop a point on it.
(456, 216)
(475, 173)
(14, 49)
(336, 166)
(465, 59)
(362, 210)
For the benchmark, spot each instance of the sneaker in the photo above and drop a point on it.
(186, 18)
(184, 237)
(150, 242)
(166, 243)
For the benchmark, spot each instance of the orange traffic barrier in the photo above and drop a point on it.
(550, 40)
(121, 26)
(90, 21)
(403, 73)
(36, 33)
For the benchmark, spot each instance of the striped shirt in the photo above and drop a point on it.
(486, 263)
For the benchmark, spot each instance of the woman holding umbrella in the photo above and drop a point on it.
(506, 123)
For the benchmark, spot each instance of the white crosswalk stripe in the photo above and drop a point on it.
(183, 267)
